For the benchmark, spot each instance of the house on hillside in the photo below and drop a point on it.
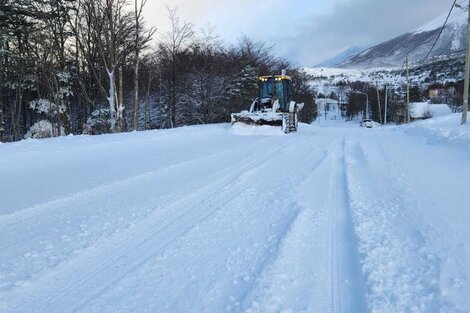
(448, 93)
(435, 91)
(328, 109)
(425, 110)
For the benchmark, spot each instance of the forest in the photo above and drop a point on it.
(95, 66)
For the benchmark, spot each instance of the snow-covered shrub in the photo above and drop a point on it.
(52, 108)
(63, 76)
(428, 113)
(97, 122)
(27, 82)
(42, 129)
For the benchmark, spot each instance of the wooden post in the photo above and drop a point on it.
(467, 72)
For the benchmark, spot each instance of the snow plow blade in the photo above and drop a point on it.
(257, 119)
(287, 121)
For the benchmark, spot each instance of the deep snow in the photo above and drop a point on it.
(215, 219)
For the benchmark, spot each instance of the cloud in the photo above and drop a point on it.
(256, 18)
(304, 31)
(358, 23)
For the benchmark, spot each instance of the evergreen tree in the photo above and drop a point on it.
(415, 94)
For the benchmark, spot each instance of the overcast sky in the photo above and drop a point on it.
(304, 31)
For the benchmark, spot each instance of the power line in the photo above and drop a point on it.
(440, 32)
(399, 73)
(432, 48)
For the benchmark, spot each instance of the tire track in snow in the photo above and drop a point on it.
(347, 290)
(285, 149)
(248, 264)
(317, 249)
(55, 216)
(133, 253)
(32, 212)
(401, 274)
(335, 296)
(349, 279)
(144, 143)
(269, 263)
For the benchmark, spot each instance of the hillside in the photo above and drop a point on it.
(443, 69)
(416, 44)
(339, 58)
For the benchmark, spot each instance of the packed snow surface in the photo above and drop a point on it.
(334, 218)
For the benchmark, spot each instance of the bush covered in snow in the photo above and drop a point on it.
(42, 129)
(98, 122)
(428, 113)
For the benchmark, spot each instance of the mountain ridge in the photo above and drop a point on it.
(416, 44)
(341, 57)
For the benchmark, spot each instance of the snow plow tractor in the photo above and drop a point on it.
(274, 105)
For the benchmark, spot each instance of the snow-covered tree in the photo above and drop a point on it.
(98, 122)
(48, 110)
(112, 27)
(175, 43)
(242, 89)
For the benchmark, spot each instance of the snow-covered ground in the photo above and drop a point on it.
(214, 219)
(325, 80)
(332, 76)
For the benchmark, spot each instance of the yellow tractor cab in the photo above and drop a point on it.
(272, 88)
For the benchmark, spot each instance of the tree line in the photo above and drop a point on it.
(95, 66)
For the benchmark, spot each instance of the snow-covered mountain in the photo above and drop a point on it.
(416, 44)
(339, 58)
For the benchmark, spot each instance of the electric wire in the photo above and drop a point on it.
(440, 32)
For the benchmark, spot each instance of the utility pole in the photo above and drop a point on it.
(367, 103)
(378, 102)
(325, 107)
(467, 72)
(367, 107)
(407, 91)
(378, 97)
(386, 104)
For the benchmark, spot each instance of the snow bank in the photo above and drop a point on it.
(440, 109)
(411, 215)
(444, 129)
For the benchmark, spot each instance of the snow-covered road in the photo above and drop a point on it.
(208, 219)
